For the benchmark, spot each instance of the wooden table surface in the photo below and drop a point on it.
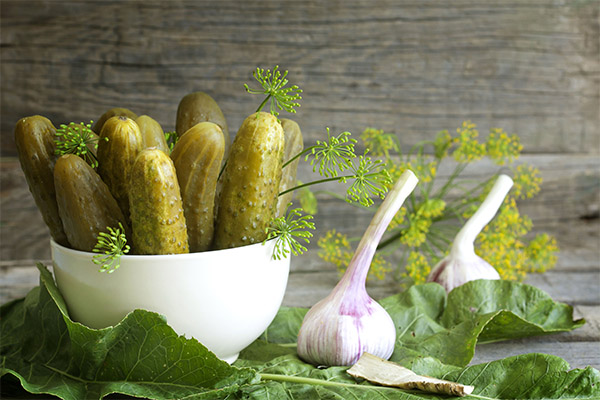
(575, 280)
(409, 68)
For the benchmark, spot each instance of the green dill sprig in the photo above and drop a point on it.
(274, 87)
(77, 139)
(171, 138)
(370, 179)
(112, 245)
(288, 230)
(335, 156)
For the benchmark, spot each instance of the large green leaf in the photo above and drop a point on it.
(430, 322)
(448, 327)
(530, 376)
(141, 356)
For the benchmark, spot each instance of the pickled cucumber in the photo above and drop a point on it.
(119, 144)
(85, 204)
(250, 182)
(199, 107)
(152, 133)
(113, 112)
(293, 146)
(34, 137)
(197, 158)
(157, 220)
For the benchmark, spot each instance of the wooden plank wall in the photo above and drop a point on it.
(409, 67)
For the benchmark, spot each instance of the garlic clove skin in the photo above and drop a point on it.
(452, 272)
(338, 332)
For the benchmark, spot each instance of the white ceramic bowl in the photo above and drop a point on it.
(225, 298)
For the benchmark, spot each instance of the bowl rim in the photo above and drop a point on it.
(141, 257)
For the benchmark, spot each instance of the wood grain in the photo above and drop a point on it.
(411, 68)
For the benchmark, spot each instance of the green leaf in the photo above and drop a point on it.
(448, 328)
(141, 356)
(529, 376)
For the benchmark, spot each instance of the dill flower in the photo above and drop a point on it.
(499, 243)
(432, 208)
(417, 268)
(527, 181)
(502, 148)
(416, 233)
(541, 253)
(468, 149)
(442, 144)
(336, 249)
(398, 218)
(425, 171)
(379, 143)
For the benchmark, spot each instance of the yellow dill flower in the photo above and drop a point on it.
(432, 208)
(336, 249)
(502, 148)
(541, 253)
(379, 268)
(416, 233)
(527, 181)
(425, 171)
(508, 258)
(442, 144)
(398, 218)
(378, 142)
(468, 148)
(417, 268)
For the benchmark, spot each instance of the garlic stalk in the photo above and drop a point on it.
(339, 328)
(462, 264)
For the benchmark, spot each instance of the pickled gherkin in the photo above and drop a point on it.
(113, 112)
(34, 137)
(119, 144)
(85, 204)
(199, 107)
(157, 220)
(250, 182)
(197, 158)
(152, 133)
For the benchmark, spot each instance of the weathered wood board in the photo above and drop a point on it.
(409, 67)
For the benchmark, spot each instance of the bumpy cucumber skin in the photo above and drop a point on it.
(119, 144)
(197, 158)
(85, 204)
(152, 133)
(157, 220)
(34, 137)
(250, 182)
(113, 112)
(199, 107)
(293, 145)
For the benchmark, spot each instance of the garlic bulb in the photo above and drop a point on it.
(462, 264)
(339, 328)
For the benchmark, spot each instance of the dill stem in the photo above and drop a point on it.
(303, 152)
(337, 178)
(264, 102)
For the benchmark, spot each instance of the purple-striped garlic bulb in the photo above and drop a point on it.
(339, 328)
